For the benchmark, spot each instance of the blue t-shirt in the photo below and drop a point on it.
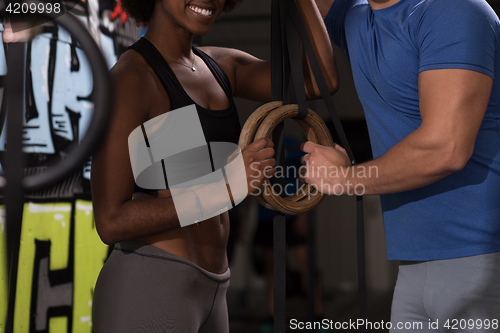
(459, 215)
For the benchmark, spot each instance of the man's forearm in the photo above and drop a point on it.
(412, 163)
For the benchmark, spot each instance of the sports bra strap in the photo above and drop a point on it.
(174, 89)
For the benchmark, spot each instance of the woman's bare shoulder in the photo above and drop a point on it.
(136, 88)
(132, 69)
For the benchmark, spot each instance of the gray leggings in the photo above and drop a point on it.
(144, 289)
(455, 295)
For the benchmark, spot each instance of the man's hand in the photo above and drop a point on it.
(259, 163)
(325, 167)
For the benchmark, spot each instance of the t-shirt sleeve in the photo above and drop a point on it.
(335, 21)
(457, 34)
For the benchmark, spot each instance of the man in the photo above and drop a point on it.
(427, 73)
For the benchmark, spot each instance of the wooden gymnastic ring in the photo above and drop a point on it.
(316, 131)
(248, 134)
(261, 124)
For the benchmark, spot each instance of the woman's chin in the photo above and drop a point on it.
(200, 31)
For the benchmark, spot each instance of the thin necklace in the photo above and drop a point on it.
(183, 64)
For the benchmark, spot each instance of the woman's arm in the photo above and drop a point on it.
(117, 216)
(322, 49)
(324, 6)
(251, 77)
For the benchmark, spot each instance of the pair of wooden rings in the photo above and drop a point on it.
(261, 124)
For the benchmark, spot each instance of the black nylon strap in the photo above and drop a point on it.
(279, 242)
(320, 80)
(276, 53)
(278, 79)
(360, 247)
(14, 166)
(289, 16)
(299, 26)
(296, 72)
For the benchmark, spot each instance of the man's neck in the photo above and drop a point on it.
(381, 4)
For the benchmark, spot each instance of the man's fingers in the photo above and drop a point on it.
(339, 148)
(309, 146)
(302, 173)
(304, 159)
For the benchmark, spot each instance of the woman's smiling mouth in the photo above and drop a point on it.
(201, 11)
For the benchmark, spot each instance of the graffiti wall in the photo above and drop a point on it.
(60, 253)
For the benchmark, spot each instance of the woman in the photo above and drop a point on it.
(161, 277)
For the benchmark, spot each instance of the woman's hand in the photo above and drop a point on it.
(259, 163)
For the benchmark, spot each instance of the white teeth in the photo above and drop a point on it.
(204, 12)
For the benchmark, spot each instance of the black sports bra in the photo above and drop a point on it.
(217, 125)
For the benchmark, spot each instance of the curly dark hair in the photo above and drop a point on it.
(141, 10)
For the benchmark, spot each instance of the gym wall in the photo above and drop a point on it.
(60, 253)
